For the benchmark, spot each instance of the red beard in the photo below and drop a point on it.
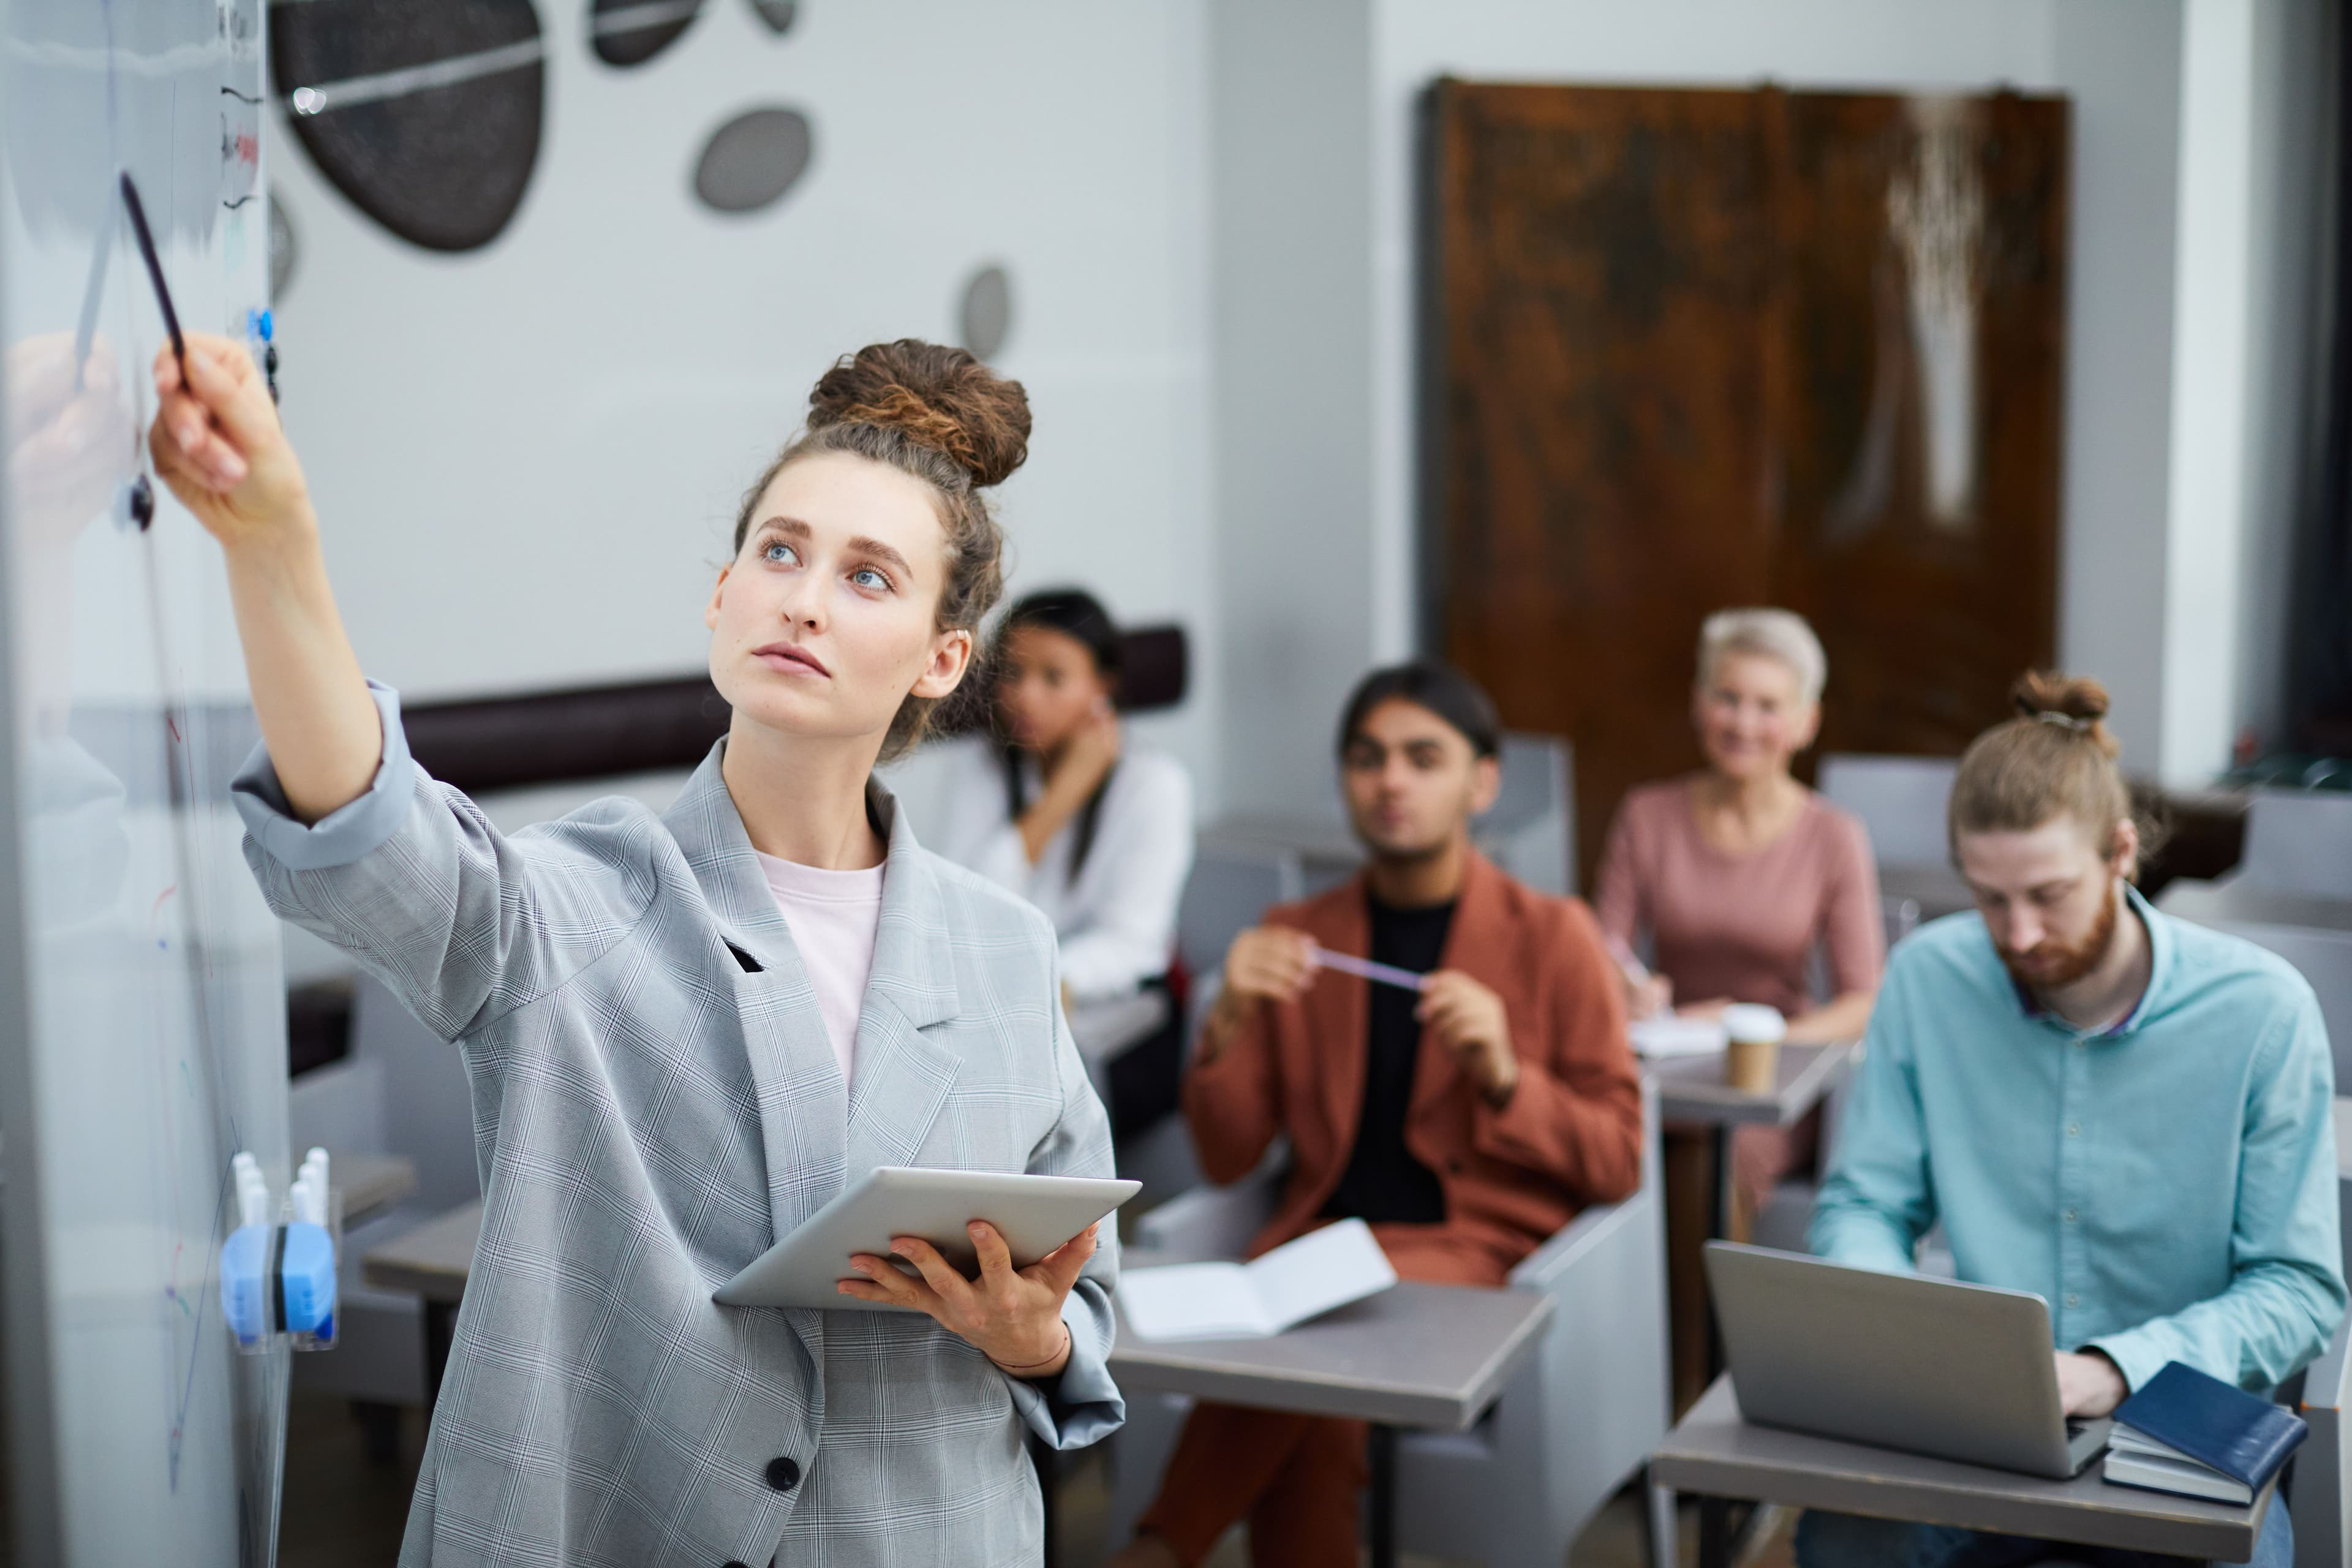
(2049, 966)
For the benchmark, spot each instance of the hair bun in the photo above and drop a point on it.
(935, 397)
(2076, 701)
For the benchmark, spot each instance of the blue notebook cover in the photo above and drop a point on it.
(2232, 1431)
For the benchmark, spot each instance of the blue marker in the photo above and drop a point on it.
(306, 1264)
(245, 1278)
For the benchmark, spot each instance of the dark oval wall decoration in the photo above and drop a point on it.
(283, 252)
(986, 316)
(752, 159)
(777, 13)
(425, 113)
(630, 32)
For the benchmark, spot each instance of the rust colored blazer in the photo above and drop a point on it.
(1569, 1136)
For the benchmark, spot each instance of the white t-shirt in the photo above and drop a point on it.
(832, 916)
(1116, 919)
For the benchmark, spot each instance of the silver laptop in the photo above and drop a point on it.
(1900, 1361)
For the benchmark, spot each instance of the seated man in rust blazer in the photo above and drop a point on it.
(1466, 1121)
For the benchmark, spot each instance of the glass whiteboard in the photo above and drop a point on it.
(141, 1008)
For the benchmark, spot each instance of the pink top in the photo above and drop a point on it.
(1743, 926)
(832, 916)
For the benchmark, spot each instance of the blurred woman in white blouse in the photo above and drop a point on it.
(1057, 806)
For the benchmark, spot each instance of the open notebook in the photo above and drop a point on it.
(1297, 1280)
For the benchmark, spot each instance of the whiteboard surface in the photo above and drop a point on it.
(142, 1027)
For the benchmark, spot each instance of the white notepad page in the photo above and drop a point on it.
(1668, 1035)
(1300, 1279)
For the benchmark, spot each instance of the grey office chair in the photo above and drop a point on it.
(1231, 885)
(1531, 830)
(2298, 841)
(1519, 1486)
(1902, 803)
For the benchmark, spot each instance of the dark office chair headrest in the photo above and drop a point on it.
(1157, 668)
(506, 742)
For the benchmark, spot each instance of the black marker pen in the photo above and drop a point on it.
(155, 273)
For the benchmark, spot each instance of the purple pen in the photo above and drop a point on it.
(1380, 973)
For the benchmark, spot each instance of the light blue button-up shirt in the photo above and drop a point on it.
(2168, 1186)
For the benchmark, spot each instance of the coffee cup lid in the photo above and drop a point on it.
(1753, 1024)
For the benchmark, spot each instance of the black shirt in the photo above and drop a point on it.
(1384, 1181)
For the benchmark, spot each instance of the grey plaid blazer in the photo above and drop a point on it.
(654, 1103)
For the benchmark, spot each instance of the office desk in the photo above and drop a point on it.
(1418, 1355)
(1691, 1089)
(1105, 1030)
(432, 1261)
(1715, 1455)
(369, 1182)
(2235, 903)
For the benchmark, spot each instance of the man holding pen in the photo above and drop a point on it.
(1445, 1050)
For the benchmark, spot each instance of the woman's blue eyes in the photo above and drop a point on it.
(779, 553)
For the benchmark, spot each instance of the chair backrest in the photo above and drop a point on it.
(1229, 888)
(1901, 800)
(2298, 841)
(2325, 959)
(1531, 830)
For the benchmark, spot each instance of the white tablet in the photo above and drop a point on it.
(1035, 1213)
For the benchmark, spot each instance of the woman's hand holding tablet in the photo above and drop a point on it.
(1012, 1315)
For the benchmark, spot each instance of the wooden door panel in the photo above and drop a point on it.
(1602, 257)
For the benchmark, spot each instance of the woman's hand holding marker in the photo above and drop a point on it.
(1013, 1316)
(218, 443)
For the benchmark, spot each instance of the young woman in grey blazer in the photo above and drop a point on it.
(685, 1032)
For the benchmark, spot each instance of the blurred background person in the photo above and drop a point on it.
(1057, 804)
(1734, 878)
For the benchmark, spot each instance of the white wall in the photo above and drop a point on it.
(1295, 385)
(2287, 360)
(527, 457)
(2245, 360)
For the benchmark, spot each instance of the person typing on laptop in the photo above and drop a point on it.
(1465, 1121)
(2126, 1114)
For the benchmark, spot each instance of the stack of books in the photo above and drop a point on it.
(2187, 1433)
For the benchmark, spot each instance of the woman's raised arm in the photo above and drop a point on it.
(218, 443)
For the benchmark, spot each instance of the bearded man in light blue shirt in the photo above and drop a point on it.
(2123, 1113)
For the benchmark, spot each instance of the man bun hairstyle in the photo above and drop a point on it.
(937, 414)
(2055, 757)
(1433, 684)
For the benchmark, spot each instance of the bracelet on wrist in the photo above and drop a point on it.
(1067, 1344)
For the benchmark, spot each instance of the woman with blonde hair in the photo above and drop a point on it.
(1737, 875)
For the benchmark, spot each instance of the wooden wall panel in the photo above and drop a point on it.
(1924, 248)
(1691, 349)
(1600, 323)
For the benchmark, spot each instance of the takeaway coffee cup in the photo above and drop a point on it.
(1752, 1062)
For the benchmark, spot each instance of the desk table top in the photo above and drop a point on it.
(1714, 1453)
(431, 1260)
(1691, 1089)
(1430, 1356)
(2236, 903)
(370, 1182)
